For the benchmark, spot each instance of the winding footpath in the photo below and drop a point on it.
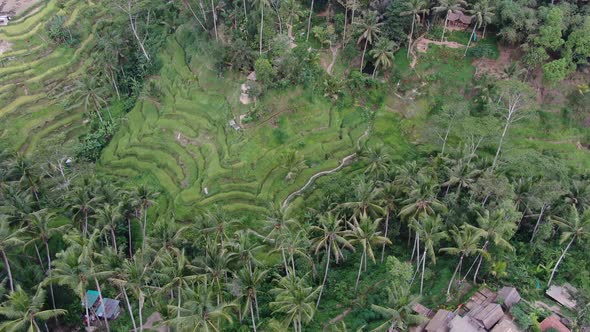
(346, 161)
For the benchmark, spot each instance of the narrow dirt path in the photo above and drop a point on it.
(421, 46)
(345, 162)
(334, 50)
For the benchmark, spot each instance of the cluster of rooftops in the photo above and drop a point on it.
(98, 309)
(488, 311)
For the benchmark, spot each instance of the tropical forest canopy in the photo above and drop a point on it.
(307, 165)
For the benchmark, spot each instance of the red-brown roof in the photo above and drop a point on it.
(553, 322)
(459, 16)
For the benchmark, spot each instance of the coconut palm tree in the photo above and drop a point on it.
(107, 218)
(575, 227)
(485, 10)
(247, 283)
(431, 231)
(244, 249)
(414, 8)
(293, 162)
(365, 233)
(477, 20)
(496, 228)
(331, 238)
(371, 29)
(24, 312)
(215, 265)
(309, 20)
(144, 198)
(71, 272)
(22, 169)
(377, 158)
(382, 53)
(398, 313)
(198, 313)
(291, 244)
(40, 230)
(365, 200)
(261, 4)
(9, 239)
(388, 193)
(466, 241)
(82, 204)
(448, 7)
(91, 93)
(422, 199)
(295, 299)
(461, 174)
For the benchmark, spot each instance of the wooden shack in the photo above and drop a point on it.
(459, 20)
(508, 296)
(440, 321)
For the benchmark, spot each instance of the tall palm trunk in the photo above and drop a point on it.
(345, 26)
(309, 20)
(144, 227)
(358, 277)
(325, 274)
(386, 230)
(252, 313)
(445, 27)
(480, 260)
(560, 259)
(363, 56)
(106, 321)
(49, 273)
(538, 222)
(375, 69)
(245, 12)
(423, 268)
(454, 274)
(469, 42)
(129, 307)
(261, 26)
(410, 36)
(113, 238)
(214, 20)
(130, 244)
(8, 271)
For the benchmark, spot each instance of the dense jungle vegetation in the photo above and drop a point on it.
(384, 157)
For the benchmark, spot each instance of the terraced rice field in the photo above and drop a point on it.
(179, 139)
(32, 71)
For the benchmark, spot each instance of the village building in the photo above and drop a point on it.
(459, 20)
(4, 19)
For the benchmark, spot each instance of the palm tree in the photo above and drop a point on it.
(22, 169)
(365, 200)
(82, 203)
(73, 273)
(378, 157)
(261, 4)
(388, 192)
(382, 54)
(295, 299)
(179, 274)
(461, 174)
(245, 249)
(23, 312)
(576, 226)
(398, 313)
(578, 194)
(9, 239)
(477, 19)
(331, 238)
(40, 229)
(371, 29)
(198, 313)
(431, 231)
(448, 7)
(291, 244)
(309, 20)
(414, 8)
(486, 12)
(293, 162)
(248, 283)
(466, 243)
(91, 93)
(215, 265)
(144, 198)
(365, 233)
(108, 217)
(497, 228)
(422, 199)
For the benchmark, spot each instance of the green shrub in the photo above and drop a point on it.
(92, 143)
(61, 34)
(482, 51)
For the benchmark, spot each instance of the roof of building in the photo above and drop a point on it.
(505, 325)
(91, 298)
(422, 310)
(110, 308)
(509, 296)
(553, 322)
(464, 324)
(459, 16)
(563, 295)
(487, 315)
(440, 321)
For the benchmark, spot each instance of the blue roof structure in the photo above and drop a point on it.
(91, 298)
(110, 309)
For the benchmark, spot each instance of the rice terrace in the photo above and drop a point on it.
(314, 165)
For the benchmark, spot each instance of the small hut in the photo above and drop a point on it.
(553, 322)
(459, 20)
(487, 316)
(4, 19)
(440, 321)
(508, 296)
(563, 295)
(109, 309)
